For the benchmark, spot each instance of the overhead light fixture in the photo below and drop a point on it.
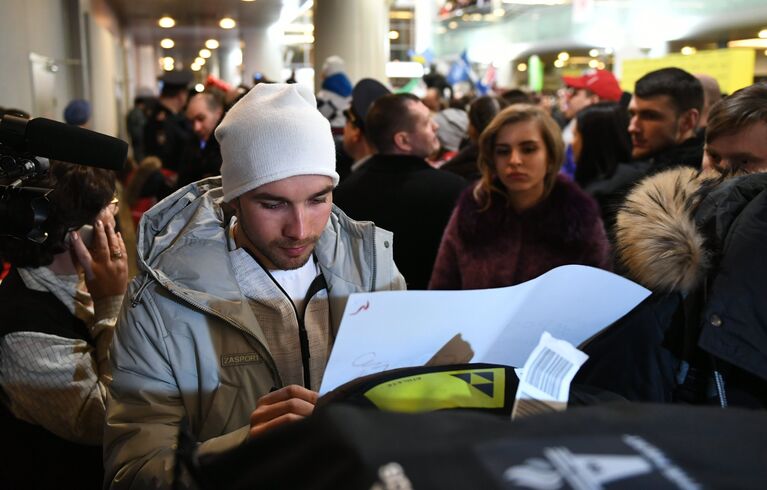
(168, 60)
(594, 52)
(559, 63)
(564, 56)
(393, 35)
(166, 22)
(195, 67)
(453, 24)
(763, 34)
(211, 44)
(401, 15)
(227, 23)
(199, 61)
(688, 50)
(522, 67)
(167, 43)
(199, 87)
(248, 0)
(593, 63)
(205, 53)
(755, 43)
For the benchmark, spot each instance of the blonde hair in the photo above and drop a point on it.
(552, 140)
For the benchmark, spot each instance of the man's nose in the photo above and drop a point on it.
(633, 127)
(296, 227)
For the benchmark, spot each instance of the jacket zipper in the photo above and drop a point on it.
(374, 264)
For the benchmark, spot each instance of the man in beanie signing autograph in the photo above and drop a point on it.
(230, 323)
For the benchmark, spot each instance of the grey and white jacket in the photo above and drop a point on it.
(190, 346)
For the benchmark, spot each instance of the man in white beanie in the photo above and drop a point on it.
(230, 323)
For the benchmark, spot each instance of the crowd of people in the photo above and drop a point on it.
(260, 211)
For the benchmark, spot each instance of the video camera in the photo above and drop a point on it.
(25, 147)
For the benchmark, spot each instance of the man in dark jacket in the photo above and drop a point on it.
(398, 189)
(166, 133)
(203, 157)
(664, 111)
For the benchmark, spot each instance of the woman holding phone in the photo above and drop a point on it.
(521, 219)
(58, 308)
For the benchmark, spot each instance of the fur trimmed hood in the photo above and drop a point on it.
(657, 238)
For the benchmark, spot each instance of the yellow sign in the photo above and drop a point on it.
(470, 388)
(733, 68)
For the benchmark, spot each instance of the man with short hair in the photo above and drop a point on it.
(355, 142)
(166, 133)
(230, 323)
(203, 157)
(398, 189)
(665, 110)
(736, 137)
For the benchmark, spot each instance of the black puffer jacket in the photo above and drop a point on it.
(698, 244)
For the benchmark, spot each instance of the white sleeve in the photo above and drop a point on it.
(55, 382)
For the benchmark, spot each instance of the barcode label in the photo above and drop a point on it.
(546, 376)
(548, 371)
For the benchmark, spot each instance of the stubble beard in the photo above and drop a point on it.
(273, 252)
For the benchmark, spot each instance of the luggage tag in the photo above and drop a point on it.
(544, 381)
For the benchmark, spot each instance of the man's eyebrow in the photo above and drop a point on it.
(265, 196)
(326, 190)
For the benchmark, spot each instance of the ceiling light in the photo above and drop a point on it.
(755, 43)
(168, 60)
(564, 56)
(166, 22)
(227, 23)
(199, 87)
(522, 67)
(195, 67)
(594, 52)
(763, 34)
(453, 24)
(167, 43)
(211, 44)
(204, 53)
(393, 35)
(199, 61)
(688, 50)
(559, 63)
(593, 63)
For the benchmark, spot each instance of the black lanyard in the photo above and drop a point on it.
(317, 285)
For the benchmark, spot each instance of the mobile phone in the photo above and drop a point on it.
(86, 235)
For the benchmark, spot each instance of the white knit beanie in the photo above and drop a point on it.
(332, 65)
(273, 133)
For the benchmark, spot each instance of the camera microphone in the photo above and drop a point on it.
(55, 140)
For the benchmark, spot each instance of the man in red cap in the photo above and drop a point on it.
(586, 90)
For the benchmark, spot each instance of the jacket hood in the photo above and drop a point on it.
(196, 205)
(190, 224)
(657, 238)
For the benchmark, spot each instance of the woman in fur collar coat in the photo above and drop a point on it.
(521, 219)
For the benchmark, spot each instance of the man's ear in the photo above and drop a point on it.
(688, 121)
(402, 141)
